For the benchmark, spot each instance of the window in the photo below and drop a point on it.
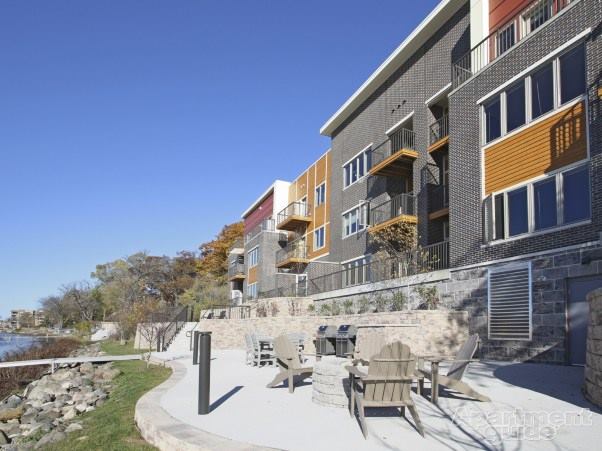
(542, 91)
(357, 167)
(509, 293)
(493, 127)
(356, 272)
(515, 106)
(320, 194)
(559, 199)
(252, 290)
(499, 216)
(506, 38)
(537, 16)
(319, 238)
(544, 197)
(253, 257)
(518, 212)
(355, 220)
(572, 74)
(575, 190)
(549, 87)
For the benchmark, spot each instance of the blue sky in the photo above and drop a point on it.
(148, 125)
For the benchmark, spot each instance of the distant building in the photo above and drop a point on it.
(26, 318)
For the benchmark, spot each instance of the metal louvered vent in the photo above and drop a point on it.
(510, 303)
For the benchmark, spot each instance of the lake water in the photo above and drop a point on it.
(12, 342)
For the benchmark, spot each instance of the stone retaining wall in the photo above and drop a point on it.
(593, 356)
(425, 331)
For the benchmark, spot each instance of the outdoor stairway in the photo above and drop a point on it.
(180, 347)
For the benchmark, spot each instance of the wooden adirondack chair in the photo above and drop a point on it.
(261, 355)
(250, 350)
(387, 384)
(454, 375)
(368, 346)
(287, 358)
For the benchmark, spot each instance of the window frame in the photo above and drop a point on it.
(320, 194)
(349, 273)
(526, 79)
(354, 161)
(531, 230)
(252, 263)
(358, 215)
(252, 290)
(317, 233)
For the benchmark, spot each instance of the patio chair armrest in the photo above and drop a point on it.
(354, 370)
(387, 379)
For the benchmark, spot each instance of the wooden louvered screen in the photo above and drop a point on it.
(510, 303)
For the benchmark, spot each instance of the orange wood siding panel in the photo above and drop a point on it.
(252, 275)
(548, 145)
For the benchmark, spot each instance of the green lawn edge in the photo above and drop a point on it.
(111, 426)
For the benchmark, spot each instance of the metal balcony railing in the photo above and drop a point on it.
(529, 19)
(402, 204)
(439, 129)
(438, 197)
(401, 139)
(236, 269)
(268, 225)
(299, 209)
(421, 260)
(292, 251)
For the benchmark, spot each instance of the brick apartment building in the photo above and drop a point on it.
(483, 130)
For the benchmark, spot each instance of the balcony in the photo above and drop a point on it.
(505, 37)
(396, 155)
(236, 271)
(439, 134)
(293, 254)
(294, 216)
(438, 201)
(401, 208)
(267, 225)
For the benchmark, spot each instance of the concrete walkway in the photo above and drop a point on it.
(246, 415)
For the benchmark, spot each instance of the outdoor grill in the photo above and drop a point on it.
(345, 341)
(325, 340)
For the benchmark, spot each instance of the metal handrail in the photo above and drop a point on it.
(175, 322)
(236, 269)
(402, 204)
(292, 250)
(423, 259)
(226, 312)
(267, 225)
(401, 139)
(297, 208)
(438, 197)
(439, 129)
(504, 38)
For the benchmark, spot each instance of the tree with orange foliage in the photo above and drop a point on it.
(214, 254)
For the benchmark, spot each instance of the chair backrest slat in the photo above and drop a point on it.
(285, 350)
(369, 345)
(393, 361)
(466, 352)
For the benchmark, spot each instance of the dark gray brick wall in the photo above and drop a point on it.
(406, 90)
(465, 167)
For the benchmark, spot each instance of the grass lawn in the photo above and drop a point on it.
(111, 426)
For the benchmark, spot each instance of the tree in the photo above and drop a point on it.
(84, 298)
(57, 310)
(396, 239)
(214, 254)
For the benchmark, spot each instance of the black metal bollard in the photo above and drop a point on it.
(195, 348)
(204, 371)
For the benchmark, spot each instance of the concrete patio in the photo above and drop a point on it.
(533, 406)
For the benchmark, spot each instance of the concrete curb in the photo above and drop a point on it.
(165, 432)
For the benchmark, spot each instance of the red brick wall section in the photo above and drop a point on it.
(261, 212)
